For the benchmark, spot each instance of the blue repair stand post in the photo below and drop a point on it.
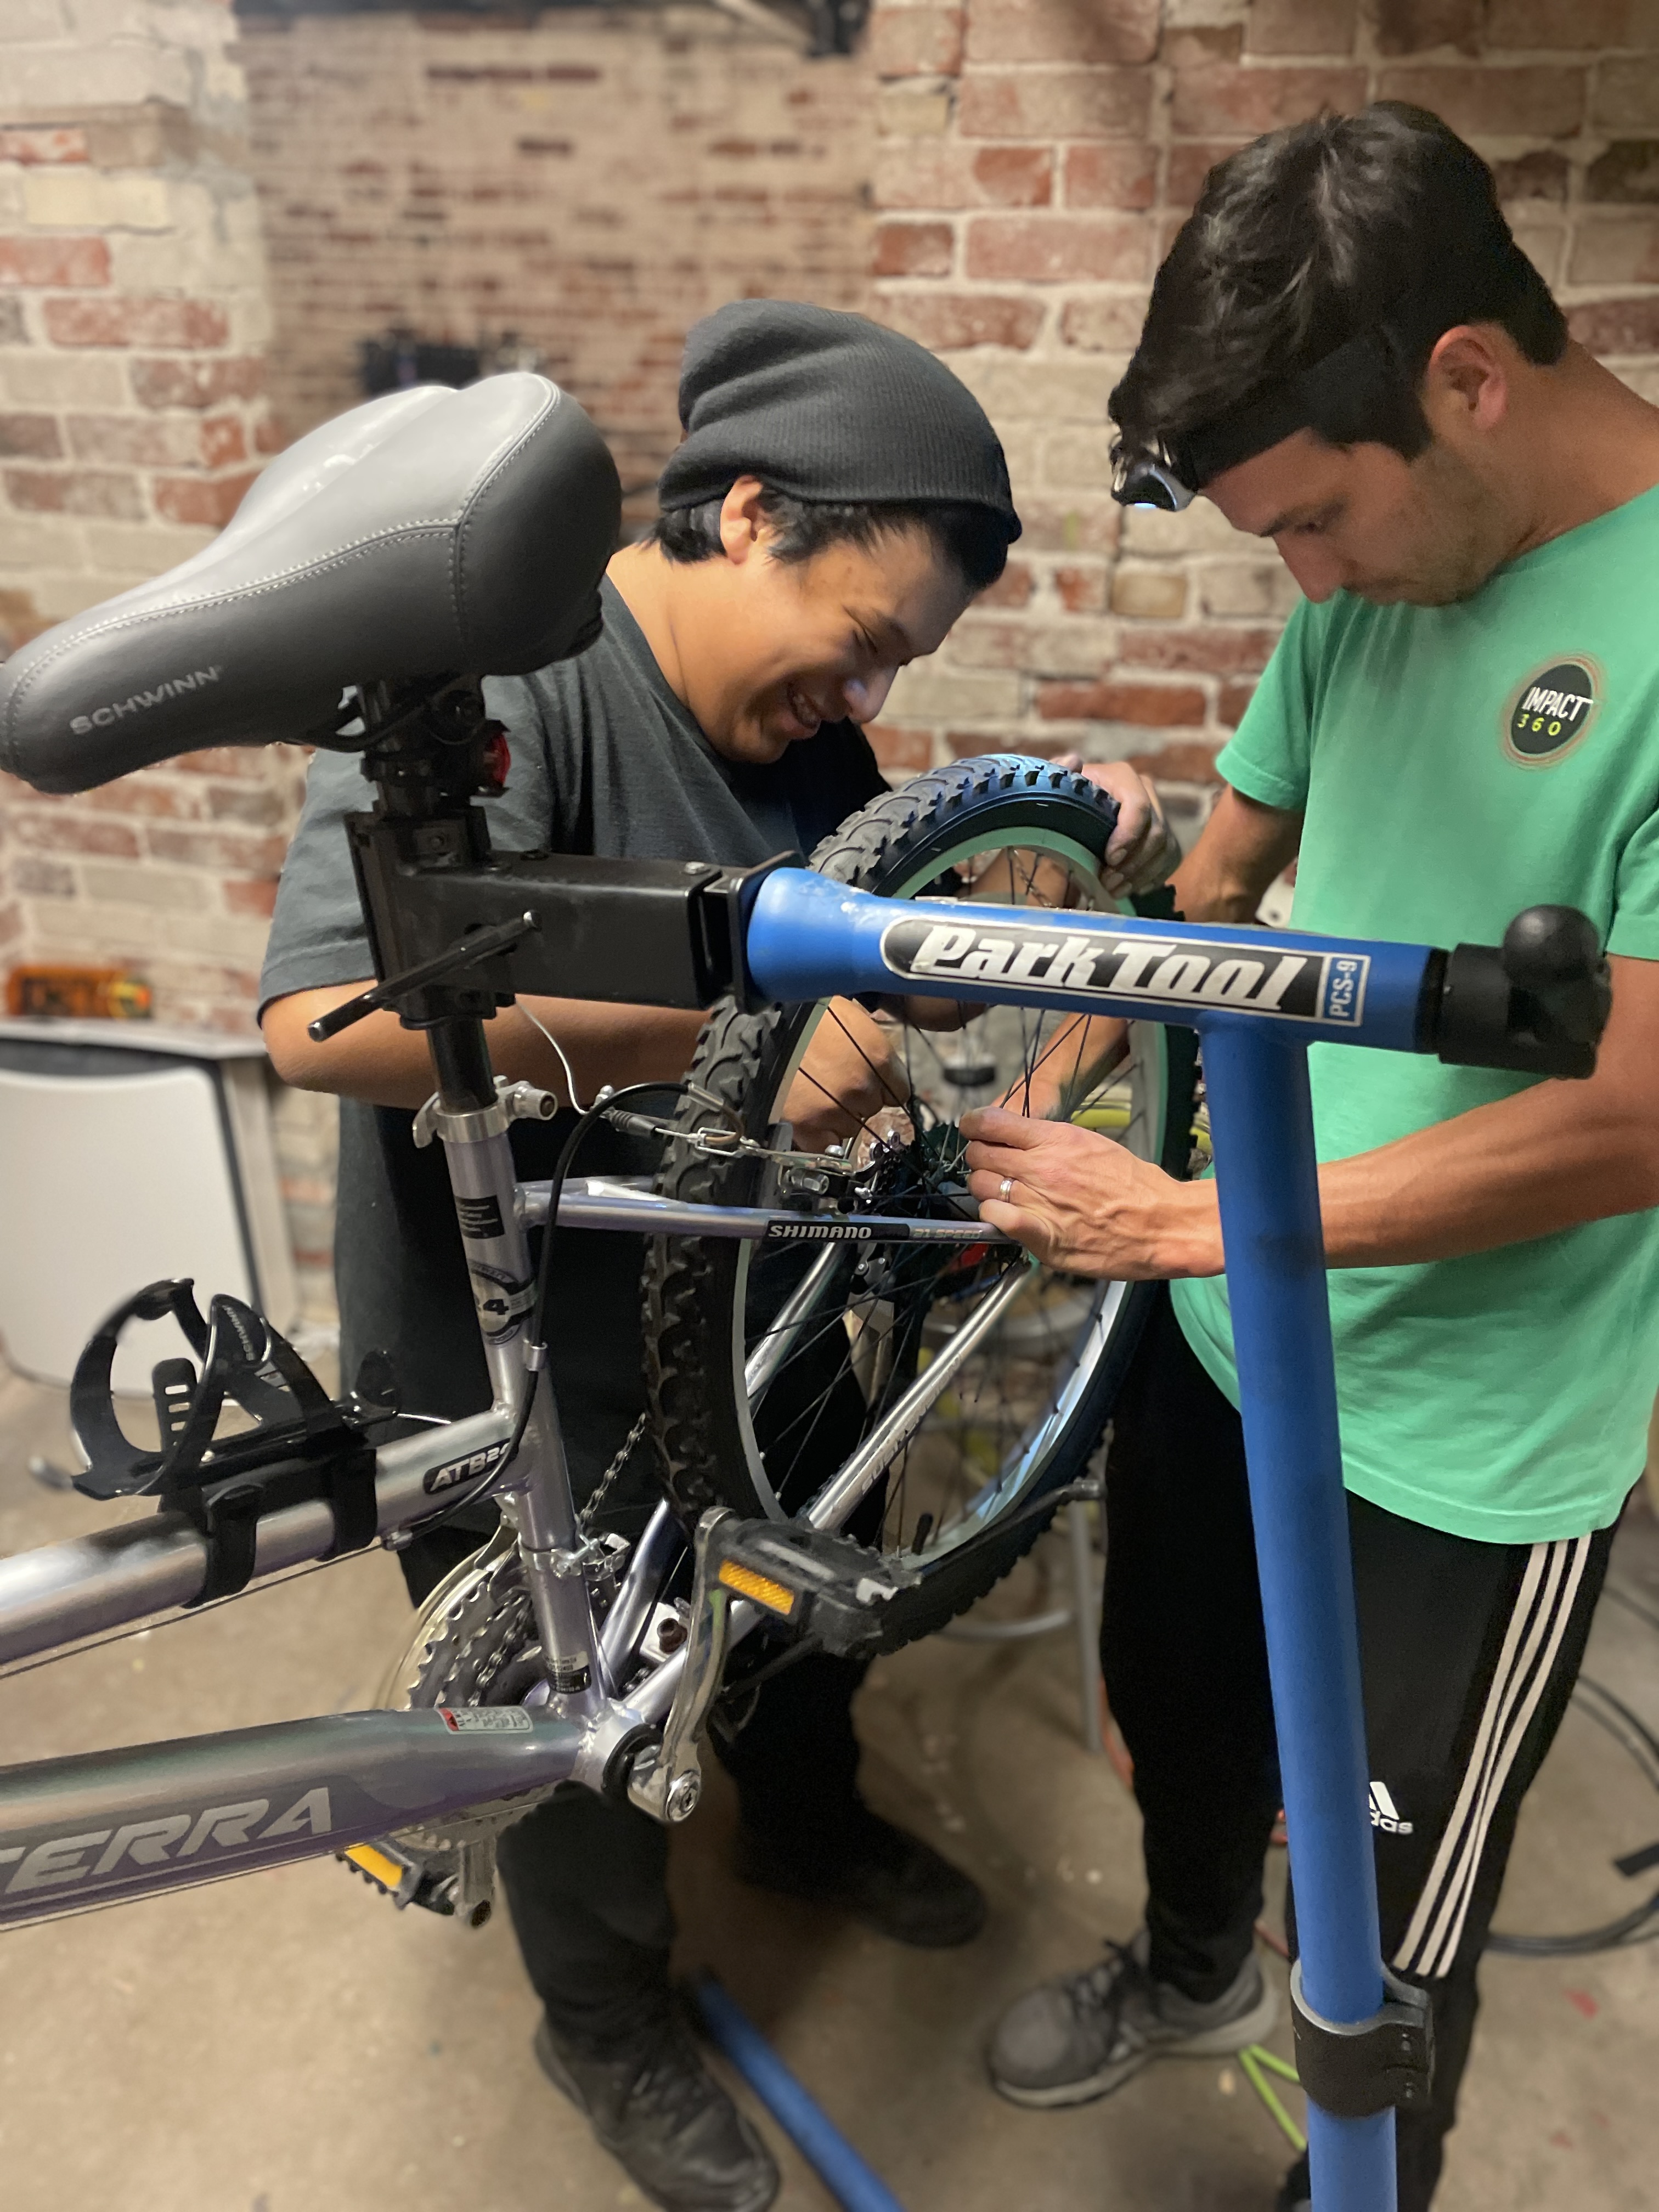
(1267, 1177)
(1537, 1005)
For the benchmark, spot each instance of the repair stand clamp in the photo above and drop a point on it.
(1360, 2067)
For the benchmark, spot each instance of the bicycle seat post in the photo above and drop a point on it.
(431, 755)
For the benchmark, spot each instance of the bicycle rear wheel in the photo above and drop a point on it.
(954, 1389)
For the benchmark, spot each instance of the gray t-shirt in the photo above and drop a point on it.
(606, 760)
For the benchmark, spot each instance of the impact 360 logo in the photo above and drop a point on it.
(1551, 712)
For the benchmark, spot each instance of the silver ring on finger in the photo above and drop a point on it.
(1005, 1190)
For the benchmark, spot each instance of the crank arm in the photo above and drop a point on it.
(668, 1784)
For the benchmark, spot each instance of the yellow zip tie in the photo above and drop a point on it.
(1274, 2064)
(1253, 2060)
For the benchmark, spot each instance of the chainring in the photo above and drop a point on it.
(474, 1644)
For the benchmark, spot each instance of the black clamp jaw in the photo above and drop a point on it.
(1356, 2069)
(1537, 1004)
(303, 1445)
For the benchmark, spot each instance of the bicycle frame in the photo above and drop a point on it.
(93, 1829)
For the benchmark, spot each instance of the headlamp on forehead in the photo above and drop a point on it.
(1367, 380)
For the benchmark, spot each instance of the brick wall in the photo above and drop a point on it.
(594, 180)
(1036, 157)
(133, 318)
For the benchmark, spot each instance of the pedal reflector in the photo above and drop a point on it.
(775, 1596)
(376, 1865)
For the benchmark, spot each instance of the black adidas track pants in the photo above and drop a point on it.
(1469, 1652)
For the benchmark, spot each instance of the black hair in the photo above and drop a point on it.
(1308, 237)
(974, 539)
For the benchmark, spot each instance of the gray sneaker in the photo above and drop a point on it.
(1085, 2034)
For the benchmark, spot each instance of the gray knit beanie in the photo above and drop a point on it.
(829, 407)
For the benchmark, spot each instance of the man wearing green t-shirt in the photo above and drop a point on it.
(1346, 352)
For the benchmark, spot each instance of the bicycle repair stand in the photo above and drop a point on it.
(665, 934)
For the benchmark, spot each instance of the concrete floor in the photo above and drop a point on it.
(288, 2043)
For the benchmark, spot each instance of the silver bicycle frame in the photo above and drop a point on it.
(103, 1827)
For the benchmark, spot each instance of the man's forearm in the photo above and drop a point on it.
(1502, 1174)
(381, 1061)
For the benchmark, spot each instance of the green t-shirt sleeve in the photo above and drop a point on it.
(1635, 931)
(1269, 754)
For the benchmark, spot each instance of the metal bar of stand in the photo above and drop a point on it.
(1266, 1174)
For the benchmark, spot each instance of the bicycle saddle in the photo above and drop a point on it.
(427, 533)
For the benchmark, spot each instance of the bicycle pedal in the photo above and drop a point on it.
(811, 1582)
(385, 1868)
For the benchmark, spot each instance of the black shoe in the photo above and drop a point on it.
(1296, 2194)
(894, 1882)
(663, 2117)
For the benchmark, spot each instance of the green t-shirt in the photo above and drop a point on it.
(1455, 764)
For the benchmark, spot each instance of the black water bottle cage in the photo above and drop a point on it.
(302, 1445)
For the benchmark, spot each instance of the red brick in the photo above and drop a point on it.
(1627, 95)
(142, 441)
(137, 321)
(1412, 26)
(1104, 175)
(947, 321)
(1201, 652)
(222, 441)
(54, 830)
(243, 762)
(1055, 104)
(1626, 175)
(226, 852)
(1190, 163)
(1011, 589)
(1104, 324)
(1563, 26)
(1187, 761)
(1524, 102)
(1211, 102)
(946, 172)
(257, 898)
(916, 41)
(1539, 176)
(1616, 252)
(1301, 26)
(147, 795)
(912, 249)
(210, 500)
(77, 491)
(1198, 45)
(1057, 249)
(160, 383)
(1154, 705)
(69, 262)
(1617, 326)
(1063, 30)
(35, 148)
(12, 331)
(257, 807)
(901, 752)
(268, 435)
(30, 437)
(1082, 591)
(1235, 698)
(19, 620)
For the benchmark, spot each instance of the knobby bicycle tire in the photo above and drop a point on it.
(694, 1290)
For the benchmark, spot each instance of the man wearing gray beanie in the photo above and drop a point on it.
(838, 500)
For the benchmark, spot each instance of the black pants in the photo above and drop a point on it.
(587, 1882)
(1469, 1650)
